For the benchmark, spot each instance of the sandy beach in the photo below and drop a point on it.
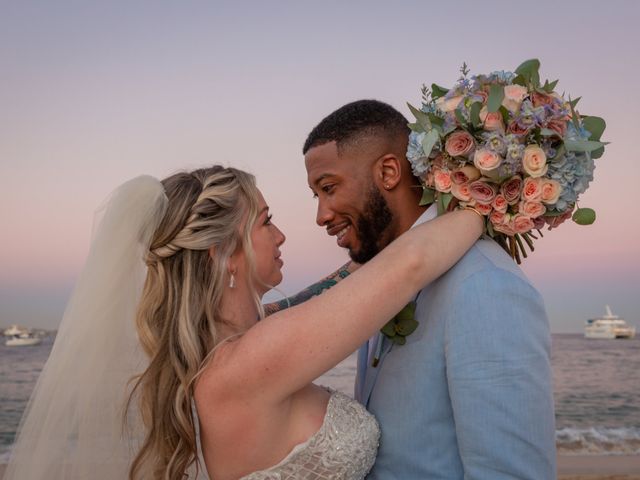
(580, 467)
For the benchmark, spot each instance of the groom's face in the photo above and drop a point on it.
(350, 205)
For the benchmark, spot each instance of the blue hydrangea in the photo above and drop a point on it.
(415, 154)
(573, 171)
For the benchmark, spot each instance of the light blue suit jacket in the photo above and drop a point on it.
(470, 394)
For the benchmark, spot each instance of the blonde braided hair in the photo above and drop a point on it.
(180, 307)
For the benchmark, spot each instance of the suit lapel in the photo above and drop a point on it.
(361, 371)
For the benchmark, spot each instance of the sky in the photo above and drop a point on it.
(94, 93)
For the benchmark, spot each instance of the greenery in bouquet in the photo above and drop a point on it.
(509, 146)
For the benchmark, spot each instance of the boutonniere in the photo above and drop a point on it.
(398, 328)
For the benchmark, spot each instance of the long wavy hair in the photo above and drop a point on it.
(179, 310)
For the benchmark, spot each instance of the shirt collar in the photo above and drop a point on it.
(429, 214)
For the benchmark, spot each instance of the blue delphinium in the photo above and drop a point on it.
(529, 115)
(496, 142)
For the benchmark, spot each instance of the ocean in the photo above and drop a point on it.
(596, 389)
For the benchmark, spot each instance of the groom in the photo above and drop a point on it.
(469, 396)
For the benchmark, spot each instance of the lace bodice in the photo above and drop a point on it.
(344, 448)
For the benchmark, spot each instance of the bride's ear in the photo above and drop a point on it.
(388, 172)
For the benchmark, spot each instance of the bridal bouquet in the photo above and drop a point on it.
(508, 146)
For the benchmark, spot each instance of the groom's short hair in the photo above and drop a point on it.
(356, 119)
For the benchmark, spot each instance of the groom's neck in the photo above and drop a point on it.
(406, 209)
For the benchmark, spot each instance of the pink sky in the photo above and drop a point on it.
(92, 98)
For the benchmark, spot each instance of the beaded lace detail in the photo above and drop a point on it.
(344, 448)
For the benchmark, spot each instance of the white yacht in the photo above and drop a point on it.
(608, 326)
(20, 337)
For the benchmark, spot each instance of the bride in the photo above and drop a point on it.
(172, 289)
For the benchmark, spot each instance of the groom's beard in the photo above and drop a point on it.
(372, 226)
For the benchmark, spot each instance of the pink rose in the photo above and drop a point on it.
(465, 174)
(500, 203)
(554, 222)
(459, 144)
(534, 161)
(532, 209)
(550, 191)
(442, 181)
(461, 191)
(558, 126)
(429, 180)
(486, 160)
(448, 105)
(491, 120)
(511, 189)
(540, 99)
(513, 97)
(538, 223)
(506, 228)
(483, 208)
(497, 218)
(517, 129)
(482, 192)
(532, 189)
(522, 223)
(439, 161)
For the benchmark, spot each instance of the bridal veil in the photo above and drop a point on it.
(72, 428)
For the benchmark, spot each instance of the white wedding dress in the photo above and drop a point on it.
(344, 448)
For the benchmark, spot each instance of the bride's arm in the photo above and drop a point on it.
(312, 290)
(290, 349)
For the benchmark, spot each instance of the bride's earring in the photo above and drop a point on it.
(232, 280)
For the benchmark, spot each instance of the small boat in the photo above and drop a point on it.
(608, 326)
(20, 337)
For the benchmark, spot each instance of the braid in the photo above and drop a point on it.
(210, 214)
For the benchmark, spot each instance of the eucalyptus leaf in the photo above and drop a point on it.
(506, 116)
(429, 141)
(440, 204)
(547, 132)
(435, 120)
(595, 125)
(529, 71)
(520, 80)
(584, 216)
(421, 117)
(574, 115)
(474, 113)
(490, 229)
(437, 91)
(389, 329)
(399, 340)
(550, 87)
(407, 327)
(416, 127)
(583, 145)
(554, 213)
(428, 196)
(574, 102)
(446, 200)
(496, 95)
(407, 313)
(597, 153)
(460, 117)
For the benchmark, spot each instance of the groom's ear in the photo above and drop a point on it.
(388, 171)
